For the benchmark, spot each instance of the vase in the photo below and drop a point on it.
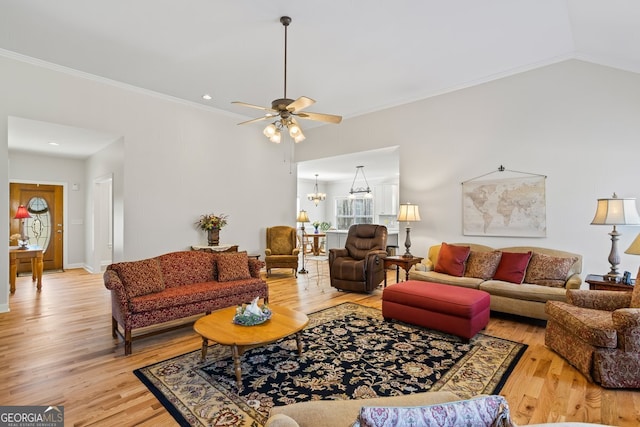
(316, 230)
(213, 237)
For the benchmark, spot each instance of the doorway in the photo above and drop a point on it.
(44, 229)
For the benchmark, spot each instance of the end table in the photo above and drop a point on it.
(598, 282)
(400, 261)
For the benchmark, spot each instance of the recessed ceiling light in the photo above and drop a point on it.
(55, 144)
(206, 96)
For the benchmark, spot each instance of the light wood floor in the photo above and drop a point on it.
(56, 349)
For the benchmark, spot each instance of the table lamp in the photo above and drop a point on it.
(408, 213)
(303, 217)
(615, 211)
(634, 249)
(22, 213)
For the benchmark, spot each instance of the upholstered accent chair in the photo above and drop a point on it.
(359, 265)
(598, 332)
(282, 248)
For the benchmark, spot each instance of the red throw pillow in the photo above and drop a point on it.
(512, 267)
(451, 259)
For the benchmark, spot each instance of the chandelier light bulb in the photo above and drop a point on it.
(294, 130)
(299, 137)
(270, 130)
(275, 137)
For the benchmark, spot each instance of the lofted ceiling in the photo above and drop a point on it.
(351, 57)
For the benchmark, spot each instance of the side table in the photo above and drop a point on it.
(400, 261)
(597, 282)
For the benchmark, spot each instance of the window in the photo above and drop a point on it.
(353, 211)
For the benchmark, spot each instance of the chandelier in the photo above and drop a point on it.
(316, 197)
(360, 190)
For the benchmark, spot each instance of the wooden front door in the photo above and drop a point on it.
(44, 228)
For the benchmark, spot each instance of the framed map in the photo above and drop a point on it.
(513, 207)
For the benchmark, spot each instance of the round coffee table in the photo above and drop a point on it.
(219, 327)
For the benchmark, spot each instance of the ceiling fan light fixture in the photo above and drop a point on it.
(299, 138)
(270, 130)
(294, 130)
(276, 137)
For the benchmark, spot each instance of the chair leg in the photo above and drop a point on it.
(114, 327)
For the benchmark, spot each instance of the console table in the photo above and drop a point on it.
(33, 253)
(219, 248)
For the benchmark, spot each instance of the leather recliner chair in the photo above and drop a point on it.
(359, 266)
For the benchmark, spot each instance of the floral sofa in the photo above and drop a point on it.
(178, 285)
(441, 408)
(520, 279)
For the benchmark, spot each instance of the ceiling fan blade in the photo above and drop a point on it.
(300, 104)
(320, 117)
(259, 119)
(257, 107)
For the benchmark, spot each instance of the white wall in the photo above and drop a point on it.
(575, 122)
(180, 161)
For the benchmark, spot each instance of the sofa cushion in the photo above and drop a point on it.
(140, 277)
(233, 266)
(451, 259)
(194, 293)
(482, 411)
(523, 291)
(548, 270)
(432, 276)
(512, 267)
(482, 264)
(187, 267)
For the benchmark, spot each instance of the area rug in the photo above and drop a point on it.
(350, 352)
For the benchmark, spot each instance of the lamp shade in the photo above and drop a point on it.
(634, 249)
(409, 213)
(303, 217)
(22, 213)
(616, 211)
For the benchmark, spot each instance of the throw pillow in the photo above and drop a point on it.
(547, 270)
(487, 411)
(512, 267)
(482, 265)
(233, 266)
(140, 277)
(451, 259)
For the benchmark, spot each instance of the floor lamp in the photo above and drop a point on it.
(615, 211)
(303, 217)
(408, 213)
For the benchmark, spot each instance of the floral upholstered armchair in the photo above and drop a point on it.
(598, 332)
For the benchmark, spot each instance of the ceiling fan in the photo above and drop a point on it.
(286, 110)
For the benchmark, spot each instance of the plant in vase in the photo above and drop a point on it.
(315, 224)
(212, 223)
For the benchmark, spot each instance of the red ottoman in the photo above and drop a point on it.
(452, 309)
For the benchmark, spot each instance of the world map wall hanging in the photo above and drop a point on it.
(511, 207)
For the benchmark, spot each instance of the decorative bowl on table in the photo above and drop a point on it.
(245, 317)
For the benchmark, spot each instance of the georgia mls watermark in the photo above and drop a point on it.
(31, 416)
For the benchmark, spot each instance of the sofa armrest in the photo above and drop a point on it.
(573, 282)
(267, 252)
(599, 300)
(118, 292)
(424, 265)
(627, 323)
(281, 420)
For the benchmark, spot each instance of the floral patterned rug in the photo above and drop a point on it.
(350, 352)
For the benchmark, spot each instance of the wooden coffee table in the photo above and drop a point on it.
(219, 327)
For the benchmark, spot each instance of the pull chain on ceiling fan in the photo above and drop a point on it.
(286, 110)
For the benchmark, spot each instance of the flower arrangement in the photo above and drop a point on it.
(211, 221)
